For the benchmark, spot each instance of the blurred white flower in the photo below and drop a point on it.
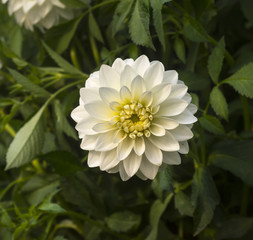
(40, 13)
(134, 117)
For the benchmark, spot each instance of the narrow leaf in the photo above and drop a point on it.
(139, 25)
(51, 208)
(219, 103)
(215, 61)
(28, 85)
(94, 28)
(61, 61)
(242, 81)
(27, 142)
(158, 21)
(212, 124)
(179, 49)
(204, 198)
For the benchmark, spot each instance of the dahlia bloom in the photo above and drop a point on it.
(134, 118)
(41, 13)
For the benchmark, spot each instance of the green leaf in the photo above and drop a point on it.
(120, 14)
(15, 40)
(59, 37)
(94, 28)
(123, 221)
(62, 121)
(204, 198)
(158, 21)
(235, 157)
(179, 49)
(247, 9)
(212, 124)
(156, 212)
(139, 25)
(60, 238)
(74, 3)
(28, 85)
(215, 61)
(235, 228)
(27, 142)
(183, 204)
(194, 31)
(61, 61)
(64, 163)
(219, 103)
(242, 81)
(51, 208)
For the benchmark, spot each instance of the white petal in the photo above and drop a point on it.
(109, 160)
(122, 172)
(94, 159)
(157, 130)
(170, 76)
(125, 94)
(86, 125)
(139, 146)
(103, 127)
(185, 117)
(137, 87)
(184, 147)
(109, 77)
(187, 97)
(178, 91)
(182, 133)
(141, 176)
(113, 170)
(78, 113)
(118, 65)
(160, 93)
(115, 106)
(154, 74)
(132, 163)
(119, 136)
(89, 95)
(99, 110)
(146, 99)
(89, 142)
(93, 80)
(148, 169)
(172, 107)
(141, 64)
(129, 61)
(127, 76)
(109, 95)
(192, 108)
(105, 142)
(167, 123)
(171, 158)
(28, 5)
(153, 153)
(125, 147)
(166, 142)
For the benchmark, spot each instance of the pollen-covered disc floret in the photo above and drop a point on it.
(41, 13)
(134, 118)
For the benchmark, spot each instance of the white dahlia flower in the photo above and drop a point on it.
(134, 117)
(40, 13)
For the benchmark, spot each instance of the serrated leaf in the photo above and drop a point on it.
(212, 124)
(28, 85)
(215, 61)
(179, 49)
(235, 157)
(157, 18)
(61, 61)
(120, 14)
(123, 221)
(194, 31)
(94, 28)
(59, 37)
(27, 143)
(219, 103)
(242, 80)
(139, 25)
(52, 208)
(64, 163)
(63, 122)
(156, 212)
(204, 198)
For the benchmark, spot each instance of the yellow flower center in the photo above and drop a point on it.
(135, 119)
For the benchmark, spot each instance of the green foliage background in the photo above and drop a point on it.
(47, 190)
